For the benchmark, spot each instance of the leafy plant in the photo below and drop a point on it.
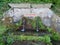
(41, 26)
(30, 38)
(33, 23)
(55, 36)
(47, 39)
(49, 29)
(10, 40)
(1, 40)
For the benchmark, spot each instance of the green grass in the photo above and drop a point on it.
(45, 38)
(2, 29)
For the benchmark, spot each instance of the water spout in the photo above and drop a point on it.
(37, 28)
(23, 26)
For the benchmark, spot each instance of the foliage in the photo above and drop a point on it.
(1, 40)
(10, 40)
(20, 22)
(2, 29)
(34, 25)
(49, 29)
(47, 39)
(30, 38)
(40, 24)
(55, 36)
(32, 22)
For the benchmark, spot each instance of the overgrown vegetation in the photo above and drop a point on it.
(11, 38)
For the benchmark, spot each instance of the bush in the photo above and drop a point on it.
(47, 39)
(55, 36)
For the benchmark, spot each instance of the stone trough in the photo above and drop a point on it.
(17, 11)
